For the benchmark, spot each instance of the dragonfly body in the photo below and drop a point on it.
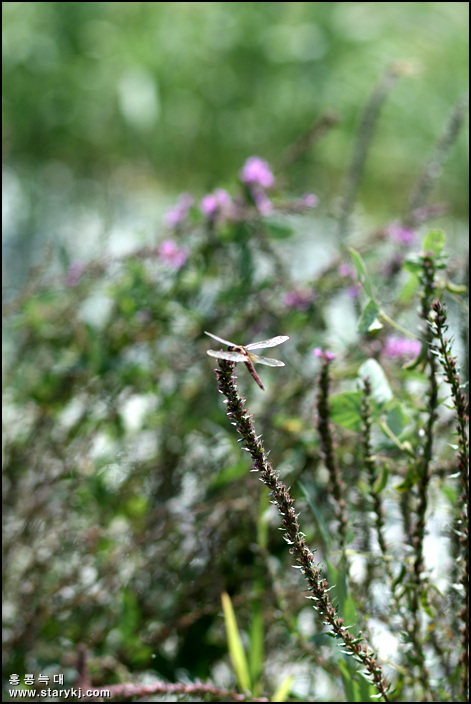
(240, 353)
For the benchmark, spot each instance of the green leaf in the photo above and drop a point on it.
(264, 507)
(400, 577)
(413, 264)
(346, 410)
(410, 480)
(234, 643)
(257, 626)
(425, 604)
(338, 583)
(351, 691)
(419, 361)
(382, 480)
(228, 474)
(397, 418)
(369, 320)
(403, 446)
(278, 230)
(433, 242)
(318, 516)
(282, 691)
(337, 578)
(367, 690)
(409, 289)
(356, 687)
(380, 389)
(455, 288)
(362, 272)
(256, 641)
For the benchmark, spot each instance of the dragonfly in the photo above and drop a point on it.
(240, 353)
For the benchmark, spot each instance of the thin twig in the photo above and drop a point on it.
(364, 138)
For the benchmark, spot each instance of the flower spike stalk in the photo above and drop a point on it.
(280, 496)
(438, 325)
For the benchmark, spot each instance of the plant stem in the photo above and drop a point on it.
(280, 496)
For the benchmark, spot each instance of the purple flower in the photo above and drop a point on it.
(74, 273)
(401, 347)
(329, 356)
(262, 201)
(171, 254)
(354, 291)
(178, 213)
(346, 270)
(401, 235)
(300, 298)
(257, 172)
(310, 200)
(213, 203)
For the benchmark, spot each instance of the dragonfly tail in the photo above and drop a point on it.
(254, 374)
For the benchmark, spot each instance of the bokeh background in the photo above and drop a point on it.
(128, 507)
(110, 109)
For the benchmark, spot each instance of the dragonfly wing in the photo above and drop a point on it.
(220, 339)
(266, 360)
(272, 342)
(231, 356)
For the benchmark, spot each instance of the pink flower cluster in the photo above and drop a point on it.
(171, 254)
(401, 235)
(300, 298)
(74, 273)
(328, 356)
(178, 213)
(401, 347)
(257, 176)
(214, 203)
(257, 172)
(346, 271)
(310, 200)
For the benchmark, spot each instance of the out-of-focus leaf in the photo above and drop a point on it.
(425, 604)
(281, 693)
(346, 410)
(362, 271)
(278, 230)
(380, 389)
(455, 288)
(369, 319)
(413, 264)
(256, 641)
(411, 480)
(409, 289)
(339, 591)
(433, 242)
(381, 481)
(234, 642)
(318, 516)
(356, 687)
(228, 474)
(397, 418)
(400, 577)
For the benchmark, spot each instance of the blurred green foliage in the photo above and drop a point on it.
(187, 90)
(128, 509)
